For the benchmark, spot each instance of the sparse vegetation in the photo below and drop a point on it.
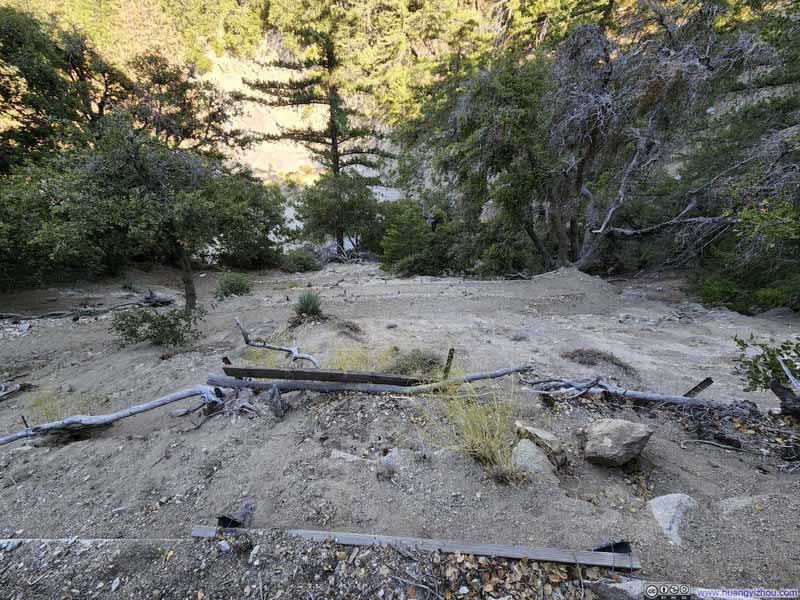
(47, 405)
(233, 284)
(169, 329)
(483, 430)
(591, 357)
(299, 260)
(309, 304)
(758, 364)
(417, 362)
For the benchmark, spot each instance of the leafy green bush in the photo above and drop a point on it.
(726, 292)
(407, 239)
(172, 328)
(299, 260)
(233, 284)
(758, 362)
(309, 304)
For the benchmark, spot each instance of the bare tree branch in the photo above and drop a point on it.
(82, 422)
(294, 352)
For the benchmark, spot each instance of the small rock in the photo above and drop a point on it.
(630, 589)
(391, 326)
(115, 584)
(613, 442)
(253, 553)
(463, 590)
(10, 545)
(156, 594)
(533, 460)
(737, 503)
(545, 440)
(224, 546)
(347, 457)
(671, 511)
(389, 464)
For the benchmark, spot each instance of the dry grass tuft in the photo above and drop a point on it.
(360, 358)
(47, 406)
(416, 362)
(483, 430)
(349, 329)
(591, 357)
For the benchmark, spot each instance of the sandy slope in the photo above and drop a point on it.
(145, 478)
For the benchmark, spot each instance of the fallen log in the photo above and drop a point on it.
(562, 387)
(367, 388)
(322, 375)
(616, 560)
(150, 300)
(77, 423)
(294, 351)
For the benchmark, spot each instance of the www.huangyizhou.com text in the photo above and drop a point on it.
(746, 593)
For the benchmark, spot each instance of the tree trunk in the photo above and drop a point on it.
(547, 261)
(340, 240)
(563, 239)
(188, 279)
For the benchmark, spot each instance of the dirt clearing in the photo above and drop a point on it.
(150, 477)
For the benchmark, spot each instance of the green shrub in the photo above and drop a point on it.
(233, 284)
(299, 260)
(416, 362)
(309, 304)
(408, 237)
(757, 362)
(172, 328)
(726, 292)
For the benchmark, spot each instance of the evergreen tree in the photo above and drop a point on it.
(347, 140)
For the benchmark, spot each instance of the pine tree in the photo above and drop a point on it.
(347, 140)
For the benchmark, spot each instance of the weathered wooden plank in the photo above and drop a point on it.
(622, 562)
(204, 532)
(328, 375)
(626, 562)
(703, 385)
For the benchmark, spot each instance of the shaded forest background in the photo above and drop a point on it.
(520, 136)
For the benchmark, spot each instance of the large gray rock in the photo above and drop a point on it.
(533, 460)
(613, 442)
(545, 440)
(671, 512)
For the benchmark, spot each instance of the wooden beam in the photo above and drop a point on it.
(622, 562)
(328, 375)
(705, 384)
(626, 562)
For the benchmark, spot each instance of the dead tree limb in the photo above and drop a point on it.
(561, 387)
(367, 388)
(82, 422)
(150, 300)
(293, 352)
(790, 401)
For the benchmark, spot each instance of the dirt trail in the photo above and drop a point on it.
(144, 477)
